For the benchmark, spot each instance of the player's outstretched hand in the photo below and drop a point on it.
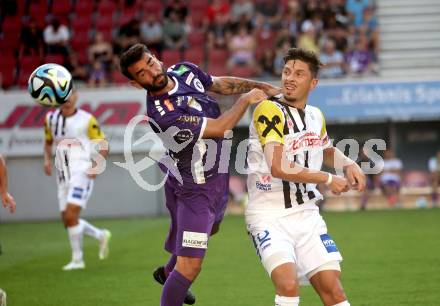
(254, 96)
(8, 201)
(48, 168)
(339, 185)
(356, 177)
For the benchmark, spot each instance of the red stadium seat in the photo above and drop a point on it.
(118, 78)
(38, 8)
(196, 5)
(242, 72)
(11, 24)
(23, 77)
(80, 41)
(61, 7)
(218, 57)
(7, 70)
(82, 24)
(7, 77)
(29, 63)
(84, 8)
(106, 7)
(196, 39)
(170, 57)
(104, 23)
(152, 7)
(195, 55)
(125, 17)
(54, 58)
(197, 18)
(217, 70)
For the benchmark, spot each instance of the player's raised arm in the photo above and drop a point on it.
(226, 85)
(7, 199)
(227, 121)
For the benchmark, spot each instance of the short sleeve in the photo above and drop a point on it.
(94, 131)
(47, 132)
(323, 133)
(177, 128)
(204, 77)
(269, 121)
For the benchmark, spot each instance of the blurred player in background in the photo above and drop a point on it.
(391, 178)
(74, 132)
(183, 113)
(7, 200)
(434, 168)
(288, 144)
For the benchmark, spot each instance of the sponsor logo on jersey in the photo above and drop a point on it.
(262, 186)
(307, 140)
(328, 243)
(195, 240)
(168, 105)
(194, 104)
(189, 119)
(181, 70)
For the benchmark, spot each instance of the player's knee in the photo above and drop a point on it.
(70, 219)
(288, 287)
(190, 268)
(335, 294)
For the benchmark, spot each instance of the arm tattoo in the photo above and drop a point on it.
(232, 86)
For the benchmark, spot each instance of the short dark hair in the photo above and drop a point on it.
(131, 56)
(306, 56)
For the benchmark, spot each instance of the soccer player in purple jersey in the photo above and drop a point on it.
(187, 119)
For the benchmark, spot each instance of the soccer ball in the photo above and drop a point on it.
(50, 85)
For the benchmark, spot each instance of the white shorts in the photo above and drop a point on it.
(76, 191)
(300, 238)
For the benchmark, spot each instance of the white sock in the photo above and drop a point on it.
(76, 238)
(344, 303)
(91, 230)
(286, 300)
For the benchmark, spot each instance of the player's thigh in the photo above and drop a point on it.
(271, 244)
(314, 246)
(80, 189)
(194, 221)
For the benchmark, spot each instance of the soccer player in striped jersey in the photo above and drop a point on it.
(288, 145)
(74, 132)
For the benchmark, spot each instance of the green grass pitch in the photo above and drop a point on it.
(390, 258)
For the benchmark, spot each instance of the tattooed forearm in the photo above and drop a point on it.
(232, 86)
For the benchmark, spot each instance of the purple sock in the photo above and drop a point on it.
(174, 290)
(169, 267)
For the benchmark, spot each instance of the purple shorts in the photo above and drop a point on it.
(194, 209)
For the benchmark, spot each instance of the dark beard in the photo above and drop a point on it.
(154, 88)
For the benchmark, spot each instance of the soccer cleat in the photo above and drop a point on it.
(104, 244)
(160, 277)
(74, 265)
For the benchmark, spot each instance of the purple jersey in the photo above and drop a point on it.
(179, 117)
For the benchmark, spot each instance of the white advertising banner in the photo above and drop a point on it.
(22, 119)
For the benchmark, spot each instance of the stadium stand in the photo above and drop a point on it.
(351, 28)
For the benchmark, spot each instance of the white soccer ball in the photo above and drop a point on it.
(50, 85)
